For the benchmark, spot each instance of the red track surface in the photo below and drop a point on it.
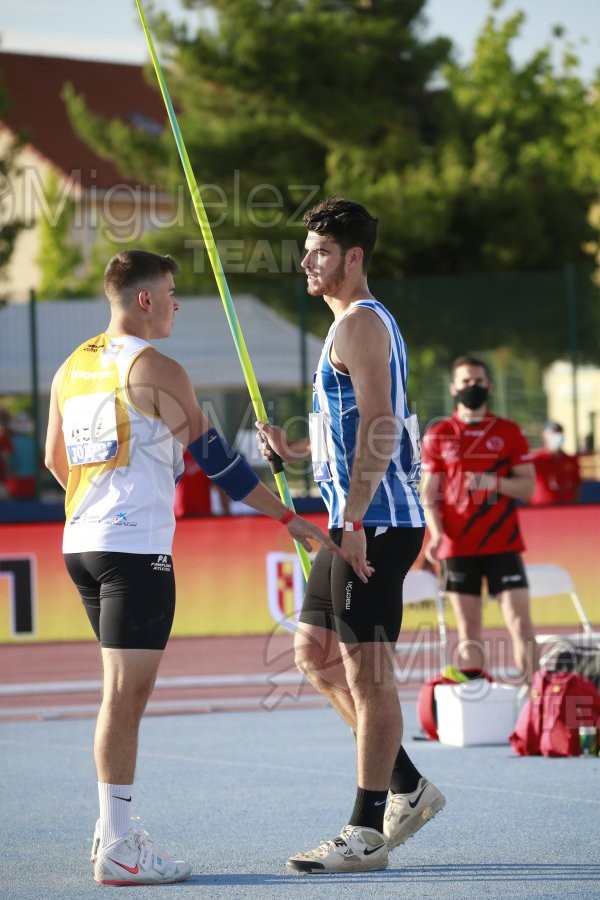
(249, 672)
(220, 664)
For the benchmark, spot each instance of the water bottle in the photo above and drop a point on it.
(588, 741)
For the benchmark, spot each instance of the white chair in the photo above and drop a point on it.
(547, 580)
(421, 585)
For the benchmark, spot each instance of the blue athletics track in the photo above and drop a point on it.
(241, 765)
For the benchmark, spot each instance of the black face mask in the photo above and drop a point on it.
(473, 396)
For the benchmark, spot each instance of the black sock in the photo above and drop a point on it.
(369, 808)
(405, 777)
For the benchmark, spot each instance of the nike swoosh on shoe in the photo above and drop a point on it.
(413, 803)
(373, 850)
(133, 869)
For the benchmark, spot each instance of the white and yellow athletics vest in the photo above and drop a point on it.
(123, 463)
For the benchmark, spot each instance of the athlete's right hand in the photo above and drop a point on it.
(272, 439)
(431, 550)
(304, 532)
(354, 551)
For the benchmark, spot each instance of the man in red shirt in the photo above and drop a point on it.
(557, 477)
(476, 466)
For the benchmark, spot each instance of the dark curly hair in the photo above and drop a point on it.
(347, 222)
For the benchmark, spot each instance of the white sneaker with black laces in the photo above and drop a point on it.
(134, 859)
(357, 849)
(406, 813)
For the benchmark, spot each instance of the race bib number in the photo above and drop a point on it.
(412, 427)
(90, 428)
(321, 464)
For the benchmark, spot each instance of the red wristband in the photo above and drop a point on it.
(353, 526)
(287, 517)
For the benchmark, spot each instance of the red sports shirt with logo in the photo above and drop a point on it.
(475, 522)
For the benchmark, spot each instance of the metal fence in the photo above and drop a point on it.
(517, 321)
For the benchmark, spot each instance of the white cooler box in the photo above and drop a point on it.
(475, 712)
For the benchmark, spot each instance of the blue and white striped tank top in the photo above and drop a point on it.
(334, 425)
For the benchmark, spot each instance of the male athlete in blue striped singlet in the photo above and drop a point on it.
(365, 450)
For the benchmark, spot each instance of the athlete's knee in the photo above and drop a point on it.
(519, 623)
(469, 630)
(371, 671)
(316, 651)
(468, 618)
(323, 671)
(310, 664)
(128, 697)
(370, 691)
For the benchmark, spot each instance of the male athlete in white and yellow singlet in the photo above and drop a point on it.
(120, 415)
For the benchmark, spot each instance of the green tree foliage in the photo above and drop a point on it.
(520, 162)
(508, 181)
(10, 224)
(59, 257)
(593, 246)
(477, 169)
(67, 272)
(545, 314)
(268, 99)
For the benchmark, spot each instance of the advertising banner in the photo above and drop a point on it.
(237, 575)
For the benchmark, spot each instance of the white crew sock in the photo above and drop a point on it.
(115, 812)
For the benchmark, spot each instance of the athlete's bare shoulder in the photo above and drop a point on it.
(154, 369)
(358, 331)
(159, 385)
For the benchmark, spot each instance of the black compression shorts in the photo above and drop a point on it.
(337, 599)
(129, 597)
(502, 571)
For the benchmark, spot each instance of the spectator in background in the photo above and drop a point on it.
(23, 461)
(476, 466)
(557, 476)
(5, 450)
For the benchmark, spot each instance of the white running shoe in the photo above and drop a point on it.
(406, 813)
(135, 860)
(96, 839)
(95, 842)
(357, 849)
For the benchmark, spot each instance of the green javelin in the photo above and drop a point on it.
(215, 261)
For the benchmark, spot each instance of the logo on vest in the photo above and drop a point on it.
(119, 518)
